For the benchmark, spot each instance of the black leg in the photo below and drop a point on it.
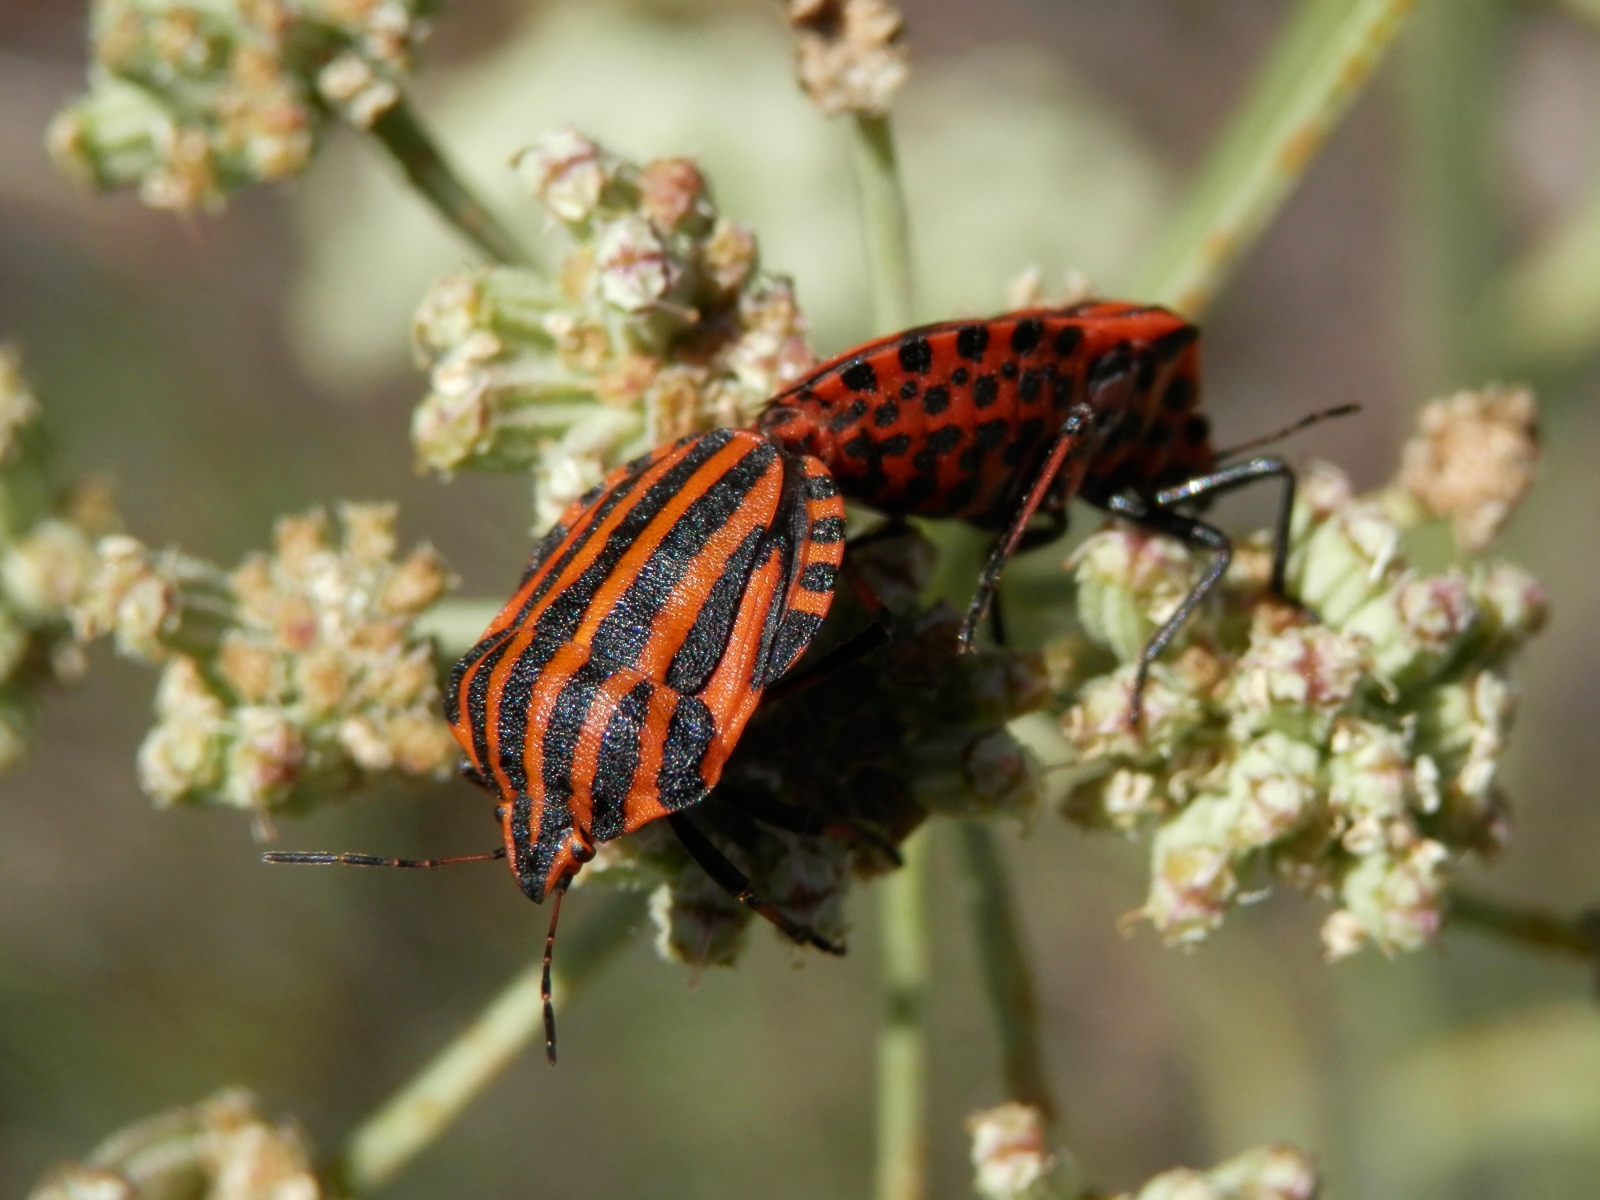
(1191, 532)
(1075, 441)
(1238, 475)
(733, 881)
(804, 822)
(997, 619)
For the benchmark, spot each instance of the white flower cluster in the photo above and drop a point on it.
(293, 680)
(657, 323)
(1349, 746)
(1278, 1172)
(190, 101)
(221, 1148)
(849, 55)
(47, 557)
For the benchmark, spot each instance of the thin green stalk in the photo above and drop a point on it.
(1577, 937)
(903, 1042)
(1453, 232)
(1007, 973)
(404, 136)
(1009, 982)
(1320, 65)
(421, 1110)
(883, 221)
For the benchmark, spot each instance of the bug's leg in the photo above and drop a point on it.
(733, 881)
(1054, 528)
(1196, 534)
(1239, 475)
(1074, 443)
(804, 822)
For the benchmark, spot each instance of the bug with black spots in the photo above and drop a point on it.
(613, 685)
(1002, 420)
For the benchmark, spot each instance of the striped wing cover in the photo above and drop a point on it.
(613, 686)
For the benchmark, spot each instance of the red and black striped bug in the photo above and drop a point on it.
(1000, 420)
(610, 690)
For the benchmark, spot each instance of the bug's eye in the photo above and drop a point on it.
(500, 811)
(471, 773)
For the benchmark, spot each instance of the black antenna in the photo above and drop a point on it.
(324, 858)
(1326, 414)
(544, 981)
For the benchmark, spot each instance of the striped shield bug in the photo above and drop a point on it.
(1002, 420)
(610, 690)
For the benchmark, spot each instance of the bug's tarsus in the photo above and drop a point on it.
(546, 991)
(1075, 441)
(326, 858)
(1305, 422)
(733, 881)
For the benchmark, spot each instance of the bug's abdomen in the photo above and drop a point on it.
(955, 419)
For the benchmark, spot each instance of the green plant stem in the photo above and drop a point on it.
(1319, 66)
(903, 1042)
(404, 137)
(1007, 973)
(421, 1110)
(883, 221)
(1575, 937)
(1452, 225)
(1009, 982)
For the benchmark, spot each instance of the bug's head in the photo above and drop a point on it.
(541, 860)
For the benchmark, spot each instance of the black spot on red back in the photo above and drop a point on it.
(972, 341)
(859, 377)
(916, 355)
(1066, 341)
(1025, 338)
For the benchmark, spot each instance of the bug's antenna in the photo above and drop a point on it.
(544, 981)
(324, 858)
(1305, 422)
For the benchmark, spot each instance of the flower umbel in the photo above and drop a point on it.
(222, 1148)
(293, 680)
(658, 322)
(47, 556)
(190, 101)
(1278, 1172)
(1349, 747)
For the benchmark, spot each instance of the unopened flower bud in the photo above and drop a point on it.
(1345, 560)
(1129, 582)
(1414, 628)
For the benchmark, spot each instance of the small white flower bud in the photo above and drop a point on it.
(1011, 1152)
(567, 173)
(1129, 582)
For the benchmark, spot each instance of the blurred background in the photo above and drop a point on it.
(224, 371)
